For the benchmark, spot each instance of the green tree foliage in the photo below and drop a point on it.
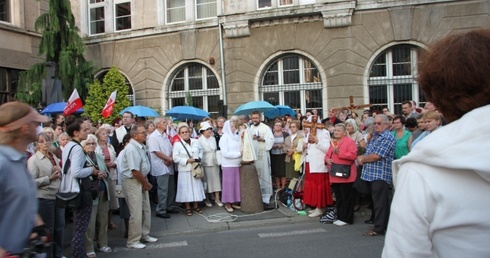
(61, 44)
(99, 94)
(188, 99)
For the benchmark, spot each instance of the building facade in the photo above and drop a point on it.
(18, 42)
(302, 53)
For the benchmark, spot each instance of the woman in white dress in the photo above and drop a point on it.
(187, 153)
(211, 169)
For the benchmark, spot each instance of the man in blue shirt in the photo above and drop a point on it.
(376, 162)
(18, 203)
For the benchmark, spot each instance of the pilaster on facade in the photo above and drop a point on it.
(338, 14)
(237, 29)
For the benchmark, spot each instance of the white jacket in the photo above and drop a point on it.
(440, 207)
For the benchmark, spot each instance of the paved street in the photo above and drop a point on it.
(278, 233)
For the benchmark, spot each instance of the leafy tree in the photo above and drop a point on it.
(99, 94)
(188, 99)
(61, 44)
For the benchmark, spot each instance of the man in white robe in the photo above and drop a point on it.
(263, 139)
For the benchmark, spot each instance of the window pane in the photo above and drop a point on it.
(5, 10)
(178, 102)
(311, 73)
(291, 70)
(285, 2)
(175, 10)
(272, 97)
(123, 16)
(195, 77)
(271, 77)
(97, 20)
(206, 9)
(264, 3)
(178, 82)
(378, 95)
(96, 1)
(313, 99)
(213, 108)
(198, 102)
(292, 99)
(401, 61)
(379, 67)
(401, 92)
(211, 80)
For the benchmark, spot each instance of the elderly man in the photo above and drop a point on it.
(376, 162)
(135, 166)
(18, 123)
(160, 150)
(263, 140)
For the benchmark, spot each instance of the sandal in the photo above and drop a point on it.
(236, 206)
(198, 210)
(188, 212)
(371, 233)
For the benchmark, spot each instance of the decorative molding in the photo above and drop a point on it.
(237, 29)
(338, 14)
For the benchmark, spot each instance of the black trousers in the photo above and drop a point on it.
(345, 197)
(380, 191)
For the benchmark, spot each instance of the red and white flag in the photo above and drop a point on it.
(73, 104)
(109, 105)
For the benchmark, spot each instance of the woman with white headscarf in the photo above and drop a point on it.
(230, 164)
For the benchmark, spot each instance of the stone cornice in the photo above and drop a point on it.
(338, 14)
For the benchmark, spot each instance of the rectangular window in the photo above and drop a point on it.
(5, 10)
(291, 70)
(285, 2)
(178, 102)
(213, 107)
(272, 97)
(175, 11)
(206, 9)
(123, 16)
(292, 99)
(195, 77)
(402, 61)
(271, 77)
(97, 20)
(378, 96)
(264, 3)
(8, 84)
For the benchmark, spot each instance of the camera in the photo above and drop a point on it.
(197, 159)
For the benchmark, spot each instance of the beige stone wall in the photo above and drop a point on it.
(344, 54)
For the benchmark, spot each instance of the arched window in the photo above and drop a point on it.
(100, 76)
(392, 79)
(195, 85)
(292, 80)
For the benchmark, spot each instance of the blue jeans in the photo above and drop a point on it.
(54, 219)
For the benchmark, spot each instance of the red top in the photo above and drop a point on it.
(347, 155)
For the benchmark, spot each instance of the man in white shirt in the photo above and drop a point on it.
(160, 150)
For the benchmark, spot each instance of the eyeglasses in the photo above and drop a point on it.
(90, 143)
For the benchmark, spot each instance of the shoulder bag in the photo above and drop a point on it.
(338, 170)
(197, 170)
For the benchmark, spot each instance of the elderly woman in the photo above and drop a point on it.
(63, 139)
(107, 151)
(187, 153)
(230, 163)
(343, 152)
(101, 204)
(432, 121)
(293, 144)
(354, 133)
(45, 169)
(53, 136)
(211, 169)
(74, 162)
(278, 155)
(440, 208)
(403, 137)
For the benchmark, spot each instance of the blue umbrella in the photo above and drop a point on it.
(247, 108)
(187, 113)
(140, 111)
(58, 107)
(280, 111)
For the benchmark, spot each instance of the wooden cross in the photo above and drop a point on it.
(351, 107)
(313, 125)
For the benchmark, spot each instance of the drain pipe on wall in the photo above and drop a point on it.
(223, 74)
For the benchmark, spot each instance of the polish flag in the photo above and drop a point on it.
(73, 104)
(109, 105)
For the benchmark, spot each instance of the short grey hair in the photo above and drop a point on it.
(353, 123)
(385, 118)
(90, 137)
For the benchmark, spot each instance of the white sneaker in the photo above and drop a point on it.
(219, 203)
(208, 203)
(339, 223)
(150, 239)
(311, 211)
(136, 245)
(315, 213)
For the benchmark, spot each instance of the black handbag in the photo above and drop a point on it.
(338, 170)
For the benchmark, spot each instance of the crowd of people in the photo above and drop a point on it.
(129, 164)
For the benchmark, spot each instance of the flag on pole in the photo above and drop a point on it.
(109, 105)
(74, 103)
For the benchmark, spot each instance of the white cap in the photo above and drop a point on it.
(204, 126)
